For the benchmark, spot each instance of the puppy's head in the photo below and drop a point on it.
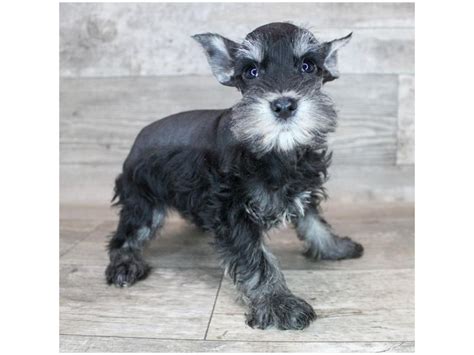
(279, 68)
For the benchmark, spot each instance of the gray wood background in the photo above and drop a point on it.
(123, 66)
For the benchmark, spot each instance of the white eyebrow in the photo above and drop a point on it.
(251, 49)
(304, 42)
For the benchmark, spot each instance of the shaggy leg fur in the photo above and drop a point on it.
(138, 224)
(321, 242)
(259, 280)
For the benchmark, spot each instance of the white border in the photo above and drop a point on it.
(29, 134)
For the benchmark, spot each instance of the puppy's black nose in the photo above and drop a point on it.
(284, 107)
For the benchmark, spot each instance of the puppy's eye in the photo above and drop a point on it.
(307, 66)
(251, 71)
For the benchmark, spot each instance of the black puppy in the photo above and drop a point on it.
(241, 171)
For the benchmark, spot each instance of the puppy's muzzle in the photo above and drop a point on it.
(284, 107)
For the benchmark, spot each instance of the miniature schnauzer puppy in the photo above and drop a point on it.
(241, 171)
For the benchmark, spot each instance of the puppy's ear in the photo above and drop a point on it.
(330, 68)
(220, 55)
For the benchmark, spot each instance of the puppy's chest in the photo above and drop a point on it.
(271, 207)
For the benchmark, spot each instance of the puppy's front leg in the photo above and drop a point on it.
(321, 242)
(257, 276)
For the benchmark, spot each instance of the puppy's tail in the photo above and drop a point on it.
(118, 191)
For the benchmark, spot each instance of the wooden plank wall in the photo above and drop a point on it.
(126, 65)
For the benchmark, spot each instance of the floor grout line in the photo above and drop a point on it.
(242, 341)
(87, 236)
(214, 305)
(208, 268)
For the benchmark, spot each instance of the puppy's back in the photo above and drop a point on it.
(187, 130)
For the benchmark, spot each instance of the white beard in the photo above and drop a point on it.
(256, 124)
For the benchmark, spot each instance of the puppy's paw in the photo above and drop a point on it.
(339, 248)
(124, 272)
(281, 311)
(344, 248)
(350, 249)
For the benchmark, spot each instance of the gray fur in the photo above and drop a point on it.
(144, 234)
(267, 207)
(270, 301)
(320, 240)
(218, 56)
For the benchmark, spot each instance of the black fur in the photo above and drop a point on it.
(236, 188)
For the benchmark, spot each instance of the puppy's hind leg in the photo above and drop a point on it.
(139, 222)
(321, 242)
(136, 227)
